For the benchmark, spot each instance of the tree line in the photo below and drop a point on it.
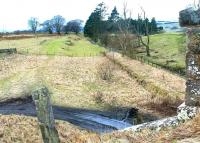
(98, 27)
(55, 25)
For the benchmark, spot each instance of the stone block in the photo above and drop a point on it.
(9, 51)
(194, 40)
(185, 112)
(193, 66)
(192, 93)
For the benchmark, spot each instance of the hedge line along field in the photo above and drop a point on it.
(70, 45)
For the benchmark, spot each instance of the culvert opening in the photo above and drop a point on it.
(134, 116)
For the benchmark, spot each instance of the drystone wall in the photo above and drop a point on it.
(193, 67)
(8, 51)
(189, 18)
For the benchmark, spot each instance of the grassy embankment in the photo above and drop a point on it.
(166, 49)
(70, 45)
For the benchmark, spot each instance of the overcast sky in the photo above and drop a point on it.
(14, 14)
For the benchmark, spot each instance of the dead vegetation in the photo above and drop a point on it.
(82, 82)
(163, 93)
(25, 129)
(98, 97)
(105, 70)
(76, 82)
(189, 129)
(22, 129)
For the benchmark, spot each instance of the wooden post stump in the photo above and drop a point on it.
(45, 116)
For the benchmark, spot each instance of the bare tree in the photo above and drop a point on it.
(48, 26)
(58, 23)
(74, 26)
(124, 28)
(140, 36)
(33, 24)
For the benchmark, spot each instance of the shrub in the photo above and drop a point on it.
(114, 41)
(105, 70)
(98, 96)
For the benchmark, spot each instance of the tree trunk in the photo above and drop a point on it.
(148, 51)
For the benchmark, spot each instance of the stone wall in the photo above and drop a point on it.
(8, 51)
(193, 67)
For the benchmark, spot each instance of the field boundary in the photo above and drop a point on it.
(167, 98)
(27, 52)
(8, 50)
(178, 72)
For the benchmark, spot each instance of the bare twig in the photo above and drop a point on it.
(139, 33)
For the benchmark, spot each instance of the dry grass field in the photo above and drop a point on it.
(91, 83)
(188, 132)
(167, 90)
(22, 129)
(74, 82)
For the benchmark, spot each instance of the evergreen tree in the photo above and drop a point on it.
(95, 25)
(112, 21)
(114, 17)
(154, 28)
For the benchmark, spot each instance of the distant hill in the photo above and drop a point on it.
(170, 26)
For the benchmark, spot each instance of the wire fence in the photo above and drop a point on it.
(56, 53)
(180, 71)
(175, 70)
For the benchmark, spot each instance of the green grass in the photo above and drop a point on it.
(70, 45)
(167, 49)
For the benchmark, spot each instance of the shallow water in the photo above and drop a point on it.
(83, 118)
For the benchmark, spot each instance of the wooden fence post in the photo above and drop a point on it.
(45, 116)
